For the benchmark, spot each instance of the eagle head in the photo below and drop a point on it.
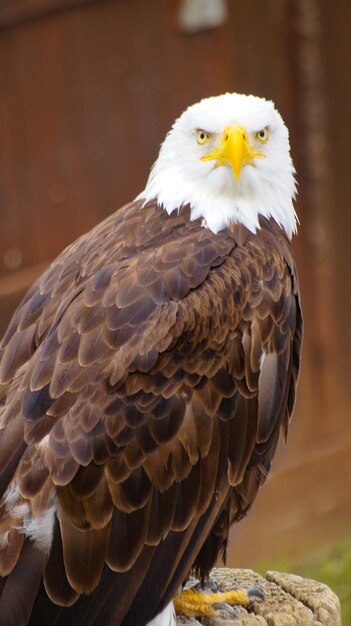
(228, 158)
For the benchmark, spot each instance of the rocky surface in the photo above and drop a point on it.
(289, 601)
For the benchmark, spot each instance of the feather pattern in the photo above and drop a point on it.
(146, 377)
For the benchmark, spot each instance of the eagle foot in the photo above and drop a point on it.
(195, 603)
(225, 609)
(206, 586)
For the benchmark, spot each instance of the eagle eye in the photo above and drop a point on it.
(202, 136)
(262, 135)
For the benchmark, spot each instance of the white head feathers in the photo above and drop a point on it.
(266, 186)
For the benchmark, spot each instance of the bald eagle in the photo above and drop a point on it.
(146, 376)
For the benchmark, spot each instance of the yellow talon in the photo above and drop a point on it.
(194, 603)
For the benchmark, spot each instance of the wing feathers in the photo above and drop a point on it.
(11, 546)
(19, 349)
(269, 396)
(148, 373)
(188, 492)
(99, 506)
(128, 533)
(86, 481)
(83, 554)
(21, 587)
(55, 578)
(161, 515)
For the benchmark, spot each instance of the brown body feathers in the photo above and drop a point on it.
(145, 378)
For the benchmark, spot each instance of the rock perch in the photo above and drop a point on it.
(290, 600)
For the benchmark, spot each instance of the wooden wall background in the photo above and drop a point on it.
(87, 92)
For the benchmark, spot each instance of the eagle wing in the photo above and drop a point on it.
(144, 381)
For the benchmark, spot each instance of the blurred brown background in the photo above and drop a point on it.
(87, 93)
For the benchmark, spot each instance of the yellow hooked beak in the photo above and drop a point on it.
(234, 149)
